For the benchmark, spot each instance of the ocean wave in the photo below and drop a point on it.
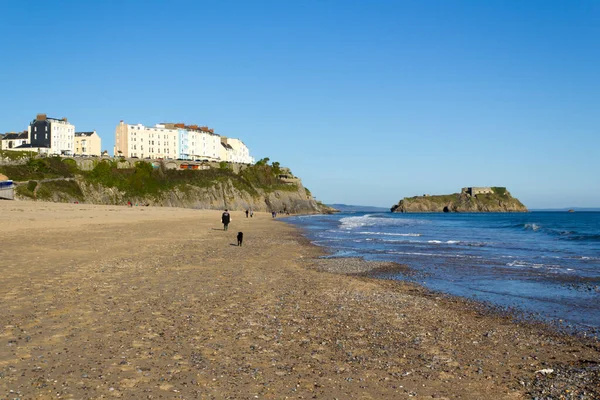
(562, 234)
(532, 226)
(423, 242)
(442, 242)
(584, 258)
(445, 255)
(370, 220)
(389, 234)
(548, 267)
(403, 241)
(584, 237)
(458, 243)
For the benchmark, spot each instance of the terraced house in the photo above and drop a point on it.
(88, 144)
(177, 141)
(234, 150)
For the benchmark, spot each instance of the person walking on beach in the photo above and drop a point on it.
(251, 213)
(246, 213)
(225, 219)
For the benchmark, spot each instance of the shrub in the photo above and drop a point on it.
(499, 190)
(23, 190)
(65, 191)
(16, 155)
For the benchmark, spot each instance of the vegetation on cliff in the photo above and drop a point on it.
(110, 182)
(499, 200)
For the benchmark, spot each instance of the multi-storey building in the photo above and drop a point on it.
(235, 151)
(87, 144)
(198, 143)
(51, 135)
(146, 142)
(171, 141)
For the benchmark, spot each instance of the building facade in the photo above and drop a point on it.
(51, 135)
(474, 191)
(196, 143)
(236, 151)
(12, 140)
(146, 142)
(87, 144)
(173, 141)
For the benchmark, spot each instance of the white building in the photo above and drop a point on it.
(13, 140)
(234, 150)
(198, 143)
(146, 142)
(176, 141)
(52, 135)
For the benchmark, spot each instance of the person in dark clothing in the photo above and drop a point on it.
(225, 219)
(246, 213)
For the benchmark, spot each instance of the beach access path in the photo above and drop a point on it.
(142, 302)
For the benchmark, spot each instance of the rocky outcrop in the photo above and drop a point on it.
(219, 196)
(499, 201)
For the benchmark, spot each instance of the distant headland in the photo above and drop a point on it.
(470, 199)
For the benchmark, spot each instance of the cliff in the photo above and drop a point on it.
(258, 187)
(499, 200)
(221, 195)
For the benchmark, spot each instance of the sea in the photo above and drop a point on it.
(539, 265)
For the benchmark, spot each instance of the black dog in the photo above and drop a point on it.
(240, 238)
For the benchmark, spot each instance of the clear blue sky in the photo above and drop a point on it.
(366, 101)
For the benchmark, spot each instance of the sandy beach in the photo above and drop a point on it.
(148, 303)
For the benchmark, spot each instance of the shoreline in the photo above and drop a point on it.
(113, 301)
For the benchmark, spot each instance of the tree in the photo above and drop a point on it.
(276, 168)
(263, 161)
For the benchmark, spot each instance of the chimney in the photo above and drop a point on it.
(41, 117)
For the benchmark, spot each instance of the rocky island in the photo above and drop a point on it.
(470, 199)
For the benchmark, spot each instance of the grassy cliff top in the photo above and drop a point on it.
(145, 180)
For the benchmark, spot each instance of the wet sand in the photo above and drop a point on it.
(142, 302)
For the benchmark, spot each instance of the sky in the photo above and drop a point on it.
(366, 101)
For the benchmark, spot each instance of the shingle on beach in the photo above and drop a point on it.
(143, 302)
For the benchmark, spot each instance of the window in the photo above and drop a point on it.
(35, 136)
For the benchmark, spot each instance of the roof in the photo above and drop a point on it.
(227, 146)
(84, 133)
(30, 146)
(13, 136)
